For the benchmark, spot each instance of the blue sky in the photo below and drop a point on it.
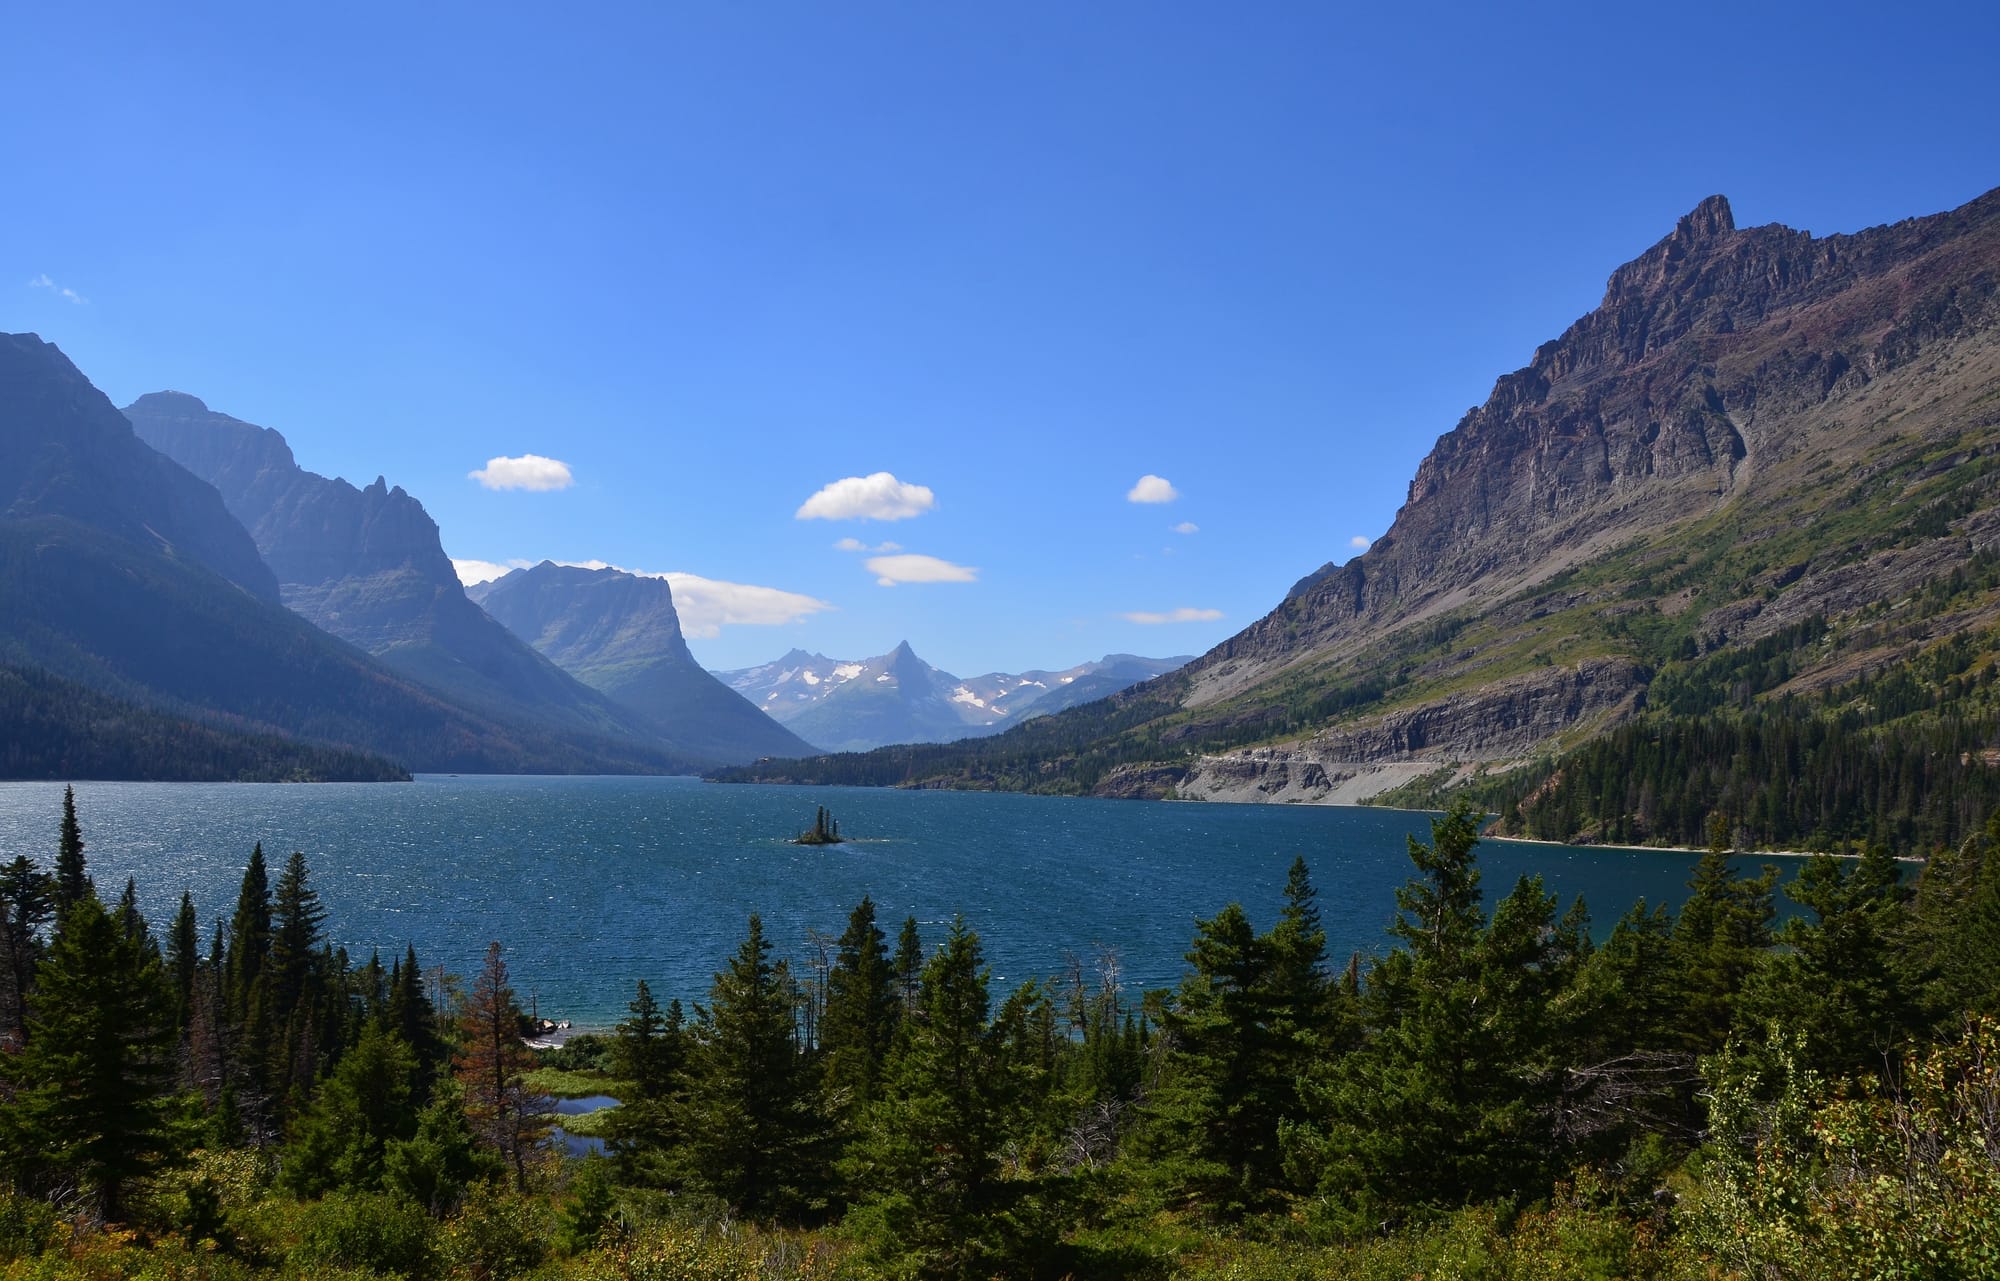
(713, 259)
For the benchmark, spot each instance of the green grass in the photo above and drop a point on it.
(562, 1083)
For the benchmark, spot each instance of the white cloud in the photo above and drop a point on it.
(479, 571)
(877, 497)
(856, 545)
(1152, 489)
(1181, 615)
(1187, 527)
(43, 282)
(706, 605)
(911, 568)
(1360, 543)
(529, 471)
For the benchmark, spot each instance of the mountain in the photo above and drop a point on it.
(853, 705)
(619, 634)
(1757, 429)
(92, 471)
(125, 574)
(367, 565)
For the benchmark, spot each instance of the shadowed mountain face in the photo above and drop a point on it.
(853, 705)
(65, 451)
(367, 565)
(1755, 427)
(123, 573)
(619, 634)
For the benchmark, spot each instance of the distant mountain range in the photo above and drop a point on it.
(845, 705)
(620, 634)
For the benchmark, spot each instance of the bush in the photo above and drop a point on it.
(376, 1231)
(26, 1227)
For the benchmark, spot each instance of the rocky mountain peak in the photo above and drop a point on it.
(1709, 219)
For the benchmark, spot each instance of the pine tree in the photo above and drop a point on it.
(293, 981)
(909, 963)
(649, 1052)
(364, 1106)
(1721, 937)
(1212, 1124)
(92, 1100)
(501, 1110)
(751, 1131)
(928, 1160)
(72, 878)
(249, 935)
(861, 1010)
(183, 960)
(27, 902)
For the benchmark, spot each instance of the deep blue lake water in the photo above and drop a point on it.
(594, 883)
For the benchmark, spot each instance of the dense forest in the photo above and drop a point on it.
(1697, 1094)
(58, 729)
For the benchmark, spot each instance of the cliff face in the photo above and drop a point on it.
(620, 634)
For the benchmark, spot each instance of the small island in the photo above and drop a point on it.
(824, 831)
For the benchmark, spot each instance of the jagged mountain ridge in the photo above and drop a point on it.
(368, 566)
(620, 634)
(1733, 440)
(856, 704)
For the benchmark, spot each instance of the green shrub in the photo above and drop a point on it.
(380, 1232)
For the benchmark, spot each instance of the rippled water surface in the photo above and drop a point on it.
(593, 883)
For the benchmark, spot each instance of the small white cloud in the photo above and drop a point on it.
(1187, 527)
(1182, 615)
(877, 497)
(856, 545)
(911, 568)
(43, 282)
(529, 471)
(479, 571)
(1152, 489)
(1360, 543)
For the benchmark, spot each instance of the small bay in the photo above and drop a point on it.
(594, 883)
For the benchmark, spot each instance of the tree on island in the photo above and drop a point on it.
(824, 831)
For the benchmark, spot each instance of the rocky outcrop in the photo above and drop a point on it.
(1502, 722)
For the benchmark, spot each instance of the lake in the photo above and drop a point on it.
(594, 883)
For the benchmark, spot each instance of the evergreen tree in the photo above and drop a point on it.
(249, 935)
(752, 1134)
(364, 1106)
(27, 902)
(861, 1009)
(72, 879)
(1720, 938)
(414, 1020)
(1449, 1099)
(92, 1087)
(292, 982)
(501, 1110)
(909, 963)
(648, 1052)
(1213, 1122)
(183, 960)
(928, 1160)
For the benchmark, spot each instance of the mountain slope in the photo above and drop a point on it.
(619, 634)
(857, 704)
(96, 472)
(1755, 427)
(100, 585)
(367, 565)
